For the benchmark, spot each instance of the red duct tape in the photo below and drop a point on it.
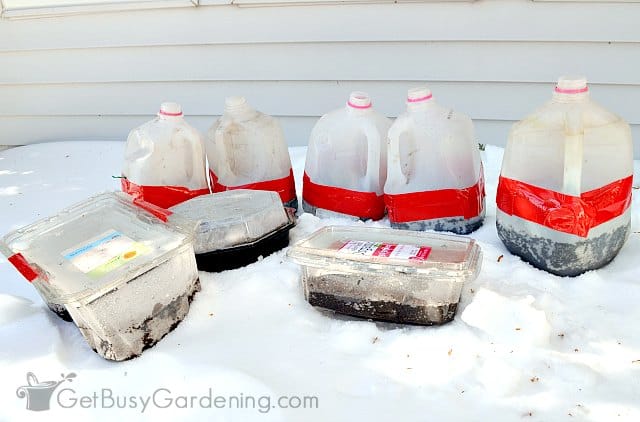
(162, 196)
(359, 204)
(564, 213)
(23, 267)
(441, 203)
(285, 187)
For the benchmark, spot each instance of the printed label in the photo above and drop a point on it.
(105, 253)
(386, 250)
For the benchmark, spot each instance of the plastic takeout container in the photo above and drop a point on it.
(125, 274)
(385, 274)
(236, 227)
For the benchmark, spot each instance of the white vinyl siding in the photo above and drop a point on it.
(95, 76)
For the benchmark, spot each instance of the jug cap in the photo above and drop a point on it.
(571, 85)
(419, 94)
(170, 109)
(359, 100)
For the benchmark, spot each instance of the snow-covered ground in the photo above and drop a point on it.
(525, 345)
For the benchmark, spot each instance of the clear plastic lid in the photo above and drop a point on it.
(91, 248)
(233, 218)
(383, 250)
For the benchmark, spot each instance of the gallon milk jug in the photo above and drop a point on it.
(345, 169)
(434, 173)
(247, 150)
(565, 188)
(165, 160)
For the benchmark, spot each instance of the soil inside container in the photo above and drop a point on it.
(385, 310)
(171, 314)
(457, 225)
(564, 259)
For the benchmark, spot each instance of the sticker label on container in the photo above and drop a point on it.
(105, 253)
(386, 250)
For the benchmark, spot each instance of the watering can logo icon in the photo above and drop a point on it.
(39, 394)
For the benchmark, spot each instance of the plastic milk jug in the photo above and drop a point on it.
(247, 150)
(434, 173)
(345, 169)
(565, 187)
(165, 160)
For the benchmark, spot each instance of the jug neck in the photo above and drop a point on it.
(359, 104)
(571, 90)
(238, 108)
(170, 111)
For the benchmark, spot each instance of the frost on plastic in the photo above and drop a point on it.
(233, 218)
(124, 276)
(404, 277)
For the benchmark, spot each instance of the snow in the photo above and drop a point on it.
(525, 345)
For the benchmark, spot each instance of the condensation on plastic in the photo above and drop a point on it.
(233, 218)
(345, 167)
(165, 160)
(434, 169)
(130, 307)
(247, 150)
(363, 282)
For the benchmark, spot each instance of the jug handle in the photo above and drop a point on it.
(221, 150)
(373, 154)
(401, 126)
(199, 150)
(573, 153)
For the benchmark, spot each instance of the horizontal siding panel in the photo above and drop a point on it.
(484, 101)
(436, 61)
(507, 20)
(21, 131)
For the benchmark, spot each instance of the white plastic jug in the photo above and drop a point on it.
(247, 150)
(345, 169)
(565, 188)
(165, 160)
(434, 173)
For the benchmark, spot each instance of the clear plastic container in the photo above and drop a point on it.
(386, 274)
(434, 172)
(247, 150)
(565, 187)
(237, 227)
(124, 275)
(346, 163)
(165, 160)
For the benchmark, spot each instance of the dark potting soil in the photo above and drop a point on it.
(60, 310)
(385, 310)
(240, 256)
(457, 225)
(564, 259)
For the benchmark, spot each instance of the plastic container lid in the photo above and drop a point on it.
(386, 250)
(359, 100)
(233, 218)
(93, 247)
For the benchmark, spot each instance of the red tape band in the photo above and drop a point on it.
(23, 267)
(359, 204)
(161, 213)
(285, 187)
(162, 196)
(442, 203)
(564, 213)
